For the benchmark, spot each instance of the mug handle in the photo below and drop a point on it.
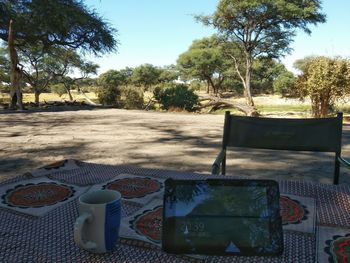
(78, 229)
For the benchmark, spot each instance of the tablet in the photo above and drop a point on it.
(222, 217)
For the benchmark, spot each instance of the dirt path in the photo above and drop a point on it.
(149, 139)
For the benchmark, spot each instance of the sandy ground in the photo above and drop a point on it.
(176, 141)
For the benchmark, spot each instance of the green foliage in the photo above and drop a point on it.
(195, 85)
(146, 75)
(58, 89)
(168, 74)
(133, 98)
(205, 61)
(270, 24)
(284, 84)
(126, 74)
(325, 80)
(109, 95)
(111, 78)
(261, 28)
(176, 96)
(4, 66)
(264, 72)
(64, 23)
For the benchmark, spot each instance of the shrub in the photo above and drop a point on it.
(284, 84)
(108, 95)
(177, 96)
(133, 98)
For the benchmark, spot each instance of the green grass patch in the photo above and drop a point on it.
(283, 108)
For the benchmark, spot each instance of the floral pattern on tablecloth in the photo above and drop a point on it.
(333, 245)
(134, 188)
(24, 238)
(298, 213)
(37, 196)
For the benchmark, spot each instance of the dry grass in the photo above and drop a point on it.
(268, 105)
(29, 97)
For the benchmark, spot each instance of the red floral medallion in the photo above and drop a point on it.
(149, 224)
(292, 211)
(37, 195)
(134, 187)
(338, 249)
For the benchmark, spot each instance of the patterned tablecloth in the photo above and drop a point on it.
(38, 210)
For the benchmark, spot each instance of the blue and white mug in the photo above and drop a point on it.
(97, 227)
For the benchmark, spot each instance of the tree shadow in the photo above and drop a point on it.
(28, 160)
(138, 138)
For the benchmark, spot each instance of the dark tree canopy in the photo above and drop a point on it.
(205, 61)
(57, 22)
(69, 24)
(262, 28)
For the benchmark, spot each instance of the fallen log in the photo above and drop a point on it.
(89, 101)
(219, 103)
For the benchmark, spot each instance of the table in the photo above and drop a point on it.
(38, 210)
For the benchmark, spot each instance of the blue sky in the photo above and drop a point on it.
(158, 31)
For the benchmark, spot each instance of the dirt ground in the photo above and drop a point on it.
(176, 141)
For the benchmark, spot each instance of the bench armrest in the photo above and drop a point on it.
(344, 162)
(217, 162)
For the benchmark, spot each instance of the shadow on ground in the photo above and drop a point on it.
(187, 142)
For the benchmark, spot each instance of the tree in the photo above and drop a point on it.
(35, 68)
(284, 84)
(261, 28)
(126, 75)
(112, 78)
(204, 60)
(109, 90)
(176, 96)
(324, 80)
(264, 72)
(60, 64)
(67, 23)
(168, 74)
(146, 75)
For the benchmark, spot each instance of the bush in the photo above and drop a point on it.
(178, 96)
(108, 95)
(133, 98)
(284, 84)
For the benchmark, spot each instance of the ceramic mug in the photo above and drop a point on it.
(97, 227)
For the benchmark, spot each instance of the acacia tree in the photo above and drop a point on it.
(67, 23)
(261, 28)
(67, 61)
(146, 75)
(324, 80)
(204, 60)
(168, 74)
(35, 68)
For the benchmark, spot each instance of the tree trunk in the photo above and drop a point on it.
(69, 94)
(208, 87)
(248, 74)
(246, 83)
(215, 102)
(15, 92)
(213, 86)
(68, 91)
(37, 95)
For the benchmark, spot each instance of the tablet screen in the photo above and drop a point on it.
(222, 217)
